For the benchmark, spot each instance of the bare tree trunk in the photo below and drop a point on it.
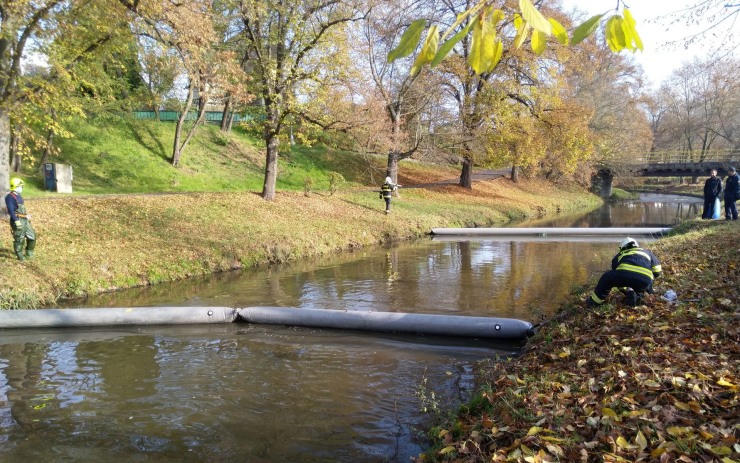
(4, 149)
(15, 157)
(156, 113)
(392, 167)
(514, 173)
(271, 165)
(176, 149)
(226, 116)
(466, 174)
(47, 150)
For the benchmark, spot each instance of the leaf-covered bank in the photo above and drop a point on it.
(102, 243)
(655, 383)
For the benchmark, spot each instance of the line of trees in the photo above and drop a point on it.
(506, 93)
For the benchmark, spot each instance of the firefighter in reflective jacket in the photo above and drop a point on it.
(20, 225)
(386, 191)
(633, 271)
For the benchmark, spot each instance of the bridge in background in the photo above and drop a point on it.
(669, 164)
(683, 164)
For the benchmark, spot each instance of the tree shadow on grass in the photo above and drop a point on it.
(145, 136)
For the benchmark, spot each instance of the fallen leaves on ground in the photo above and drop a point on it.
(654, 383)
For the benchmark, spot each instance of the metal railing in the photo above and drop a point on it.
(679, 157)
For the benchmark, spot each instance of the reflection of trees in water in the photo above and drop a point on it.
(23, 372)
(53, 387)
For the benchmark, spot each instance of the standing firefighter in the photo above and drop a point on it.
(20, 225)
(386, 191)
(633, 271)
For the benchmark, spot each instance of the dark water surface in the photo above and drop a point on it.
(253, 393)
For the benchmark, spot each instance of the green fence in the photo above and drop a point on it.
(210, 116)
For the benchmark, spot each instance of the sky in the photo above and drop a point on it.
(657, 59)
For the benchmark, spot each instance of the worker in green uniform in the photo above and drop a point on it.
(24, 237)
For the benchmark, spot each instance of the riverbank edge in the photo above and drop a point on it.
(95, 244)
(658, 382)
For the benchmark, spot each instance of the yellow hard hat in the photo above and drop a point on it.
(15, 182)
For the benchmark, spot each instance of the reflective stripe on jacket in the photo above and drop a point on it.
(637, 260)
(386, 190)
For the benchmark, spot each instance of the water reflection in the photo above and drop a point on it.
(223, 393)
(651, 210)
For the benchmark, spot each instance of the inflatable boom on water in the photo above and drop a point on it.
(444, 325)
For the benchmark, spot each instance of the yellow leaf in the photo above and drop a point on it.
(555, 449)
(721, 450)
(553, 439)
(539, 42)
(633, 31)
(498, 51)
(522, 31)
(657, 452)
(560, 33)
(461, 17)
(482, 47)
(447, 450)
(428, 51)
(622, 443)
(676, 431)
(534, 430)
(497, 16)
(533, 16)
(724, 382)
(608, 412)
(442, 433)
(614, 34)
(641, 441)
(651, 383)
(681, 406)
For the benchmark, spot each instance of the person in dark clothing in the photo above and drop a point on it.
(386, 191)
(712, 190)
(24, 235)
(633, 271)
(732, 194)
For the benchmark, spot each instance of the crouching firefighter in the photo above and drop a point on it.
(633, 271)
(24, 237)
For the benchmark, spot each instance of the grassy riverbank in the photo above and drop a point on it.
(102, 243)
(658, 382)
(206, 215)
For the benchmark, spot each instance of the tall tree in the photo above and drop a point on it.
(280, 37)
(610, 89)
(66, 33)
(404, 95)
(700, 110)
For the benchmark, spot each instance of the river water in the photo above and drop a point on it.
(239, 392)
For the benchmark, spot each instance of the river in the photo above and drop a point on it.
(239, 392)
